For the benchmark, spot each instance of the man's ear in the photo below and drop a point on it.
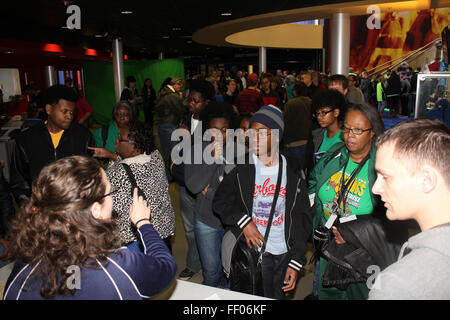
(96, 210)
(48, 108)
(336, 112)
(428, 178)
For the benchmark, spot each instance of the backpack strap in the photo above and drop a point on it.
(274, 203)
(105, 129)
(133, 181)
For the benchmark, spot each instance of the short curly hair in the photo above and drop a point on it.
(205, 88)
(53, 94)
(214, 110)
(142, 135)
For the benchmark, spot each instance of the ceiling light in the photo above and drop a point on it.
(225, 14)
(99, 36)
(176, 29)
(165, 37)
(126, 12)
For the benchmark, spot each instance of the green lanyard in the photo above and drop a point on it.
(345, 187)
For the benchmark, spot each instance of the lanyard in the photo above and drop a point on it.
(345, 187)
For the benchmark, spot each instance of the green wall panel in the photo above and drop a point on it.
(99, 82)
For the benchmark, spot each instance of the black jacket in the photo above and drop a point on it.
(6, 206)
(371, 240)
(34, 150)
(233, 203)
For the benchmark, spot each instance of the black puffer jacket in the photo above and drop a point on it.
(370, 241)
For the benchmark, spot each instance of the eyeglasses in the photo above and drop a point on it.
(355, 131)
(112, 191)
(122, 115)
(322, 113)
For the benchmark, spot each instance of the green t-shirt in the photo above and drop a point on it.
(358, 198)
(327, 143)
(113, 134)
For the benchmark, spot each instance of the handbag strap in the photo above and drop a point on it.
(274, 203)
(133, 181)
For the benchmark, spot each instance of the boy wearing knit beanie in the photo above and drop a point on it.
(245, 197)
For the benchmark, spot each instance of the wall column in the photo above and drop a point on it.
(50, 76)
(340, 43)
(262, 59)
(117, 52)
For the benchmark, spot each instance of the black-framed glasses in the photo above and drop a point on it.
(122, 115)
(322, 113)
(114, 190)
(355, 131)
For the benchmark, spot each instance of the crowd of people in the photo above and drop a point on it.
(316, 158)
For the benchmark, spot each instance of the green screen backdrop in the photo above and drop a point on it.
(99, 82)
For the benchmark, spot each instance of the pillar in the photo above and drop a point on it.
(262, 59)
(340, 43)
(117, 53)
(50, 76)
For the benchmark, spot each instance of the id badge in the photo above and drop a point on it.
(331, 220)
(347, 218)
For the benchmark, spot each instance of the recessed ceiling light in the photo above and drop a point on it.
(225, 14)
(126, 12)
(176, 29)
(165, 37)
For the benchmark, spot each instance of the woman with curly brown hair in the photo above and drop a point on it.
(67, 245)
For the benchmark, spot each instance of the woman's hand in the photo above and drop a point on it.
(103, 153)
(252, 236)
(337, 236)
(139, 210)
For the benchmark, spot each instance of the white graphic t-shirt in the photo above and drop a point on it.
(265, 185)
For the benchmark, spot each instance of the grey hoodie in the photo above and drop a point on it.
(422, 271)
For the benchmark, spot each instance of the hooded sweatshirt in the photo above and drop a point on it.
(422, 271)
